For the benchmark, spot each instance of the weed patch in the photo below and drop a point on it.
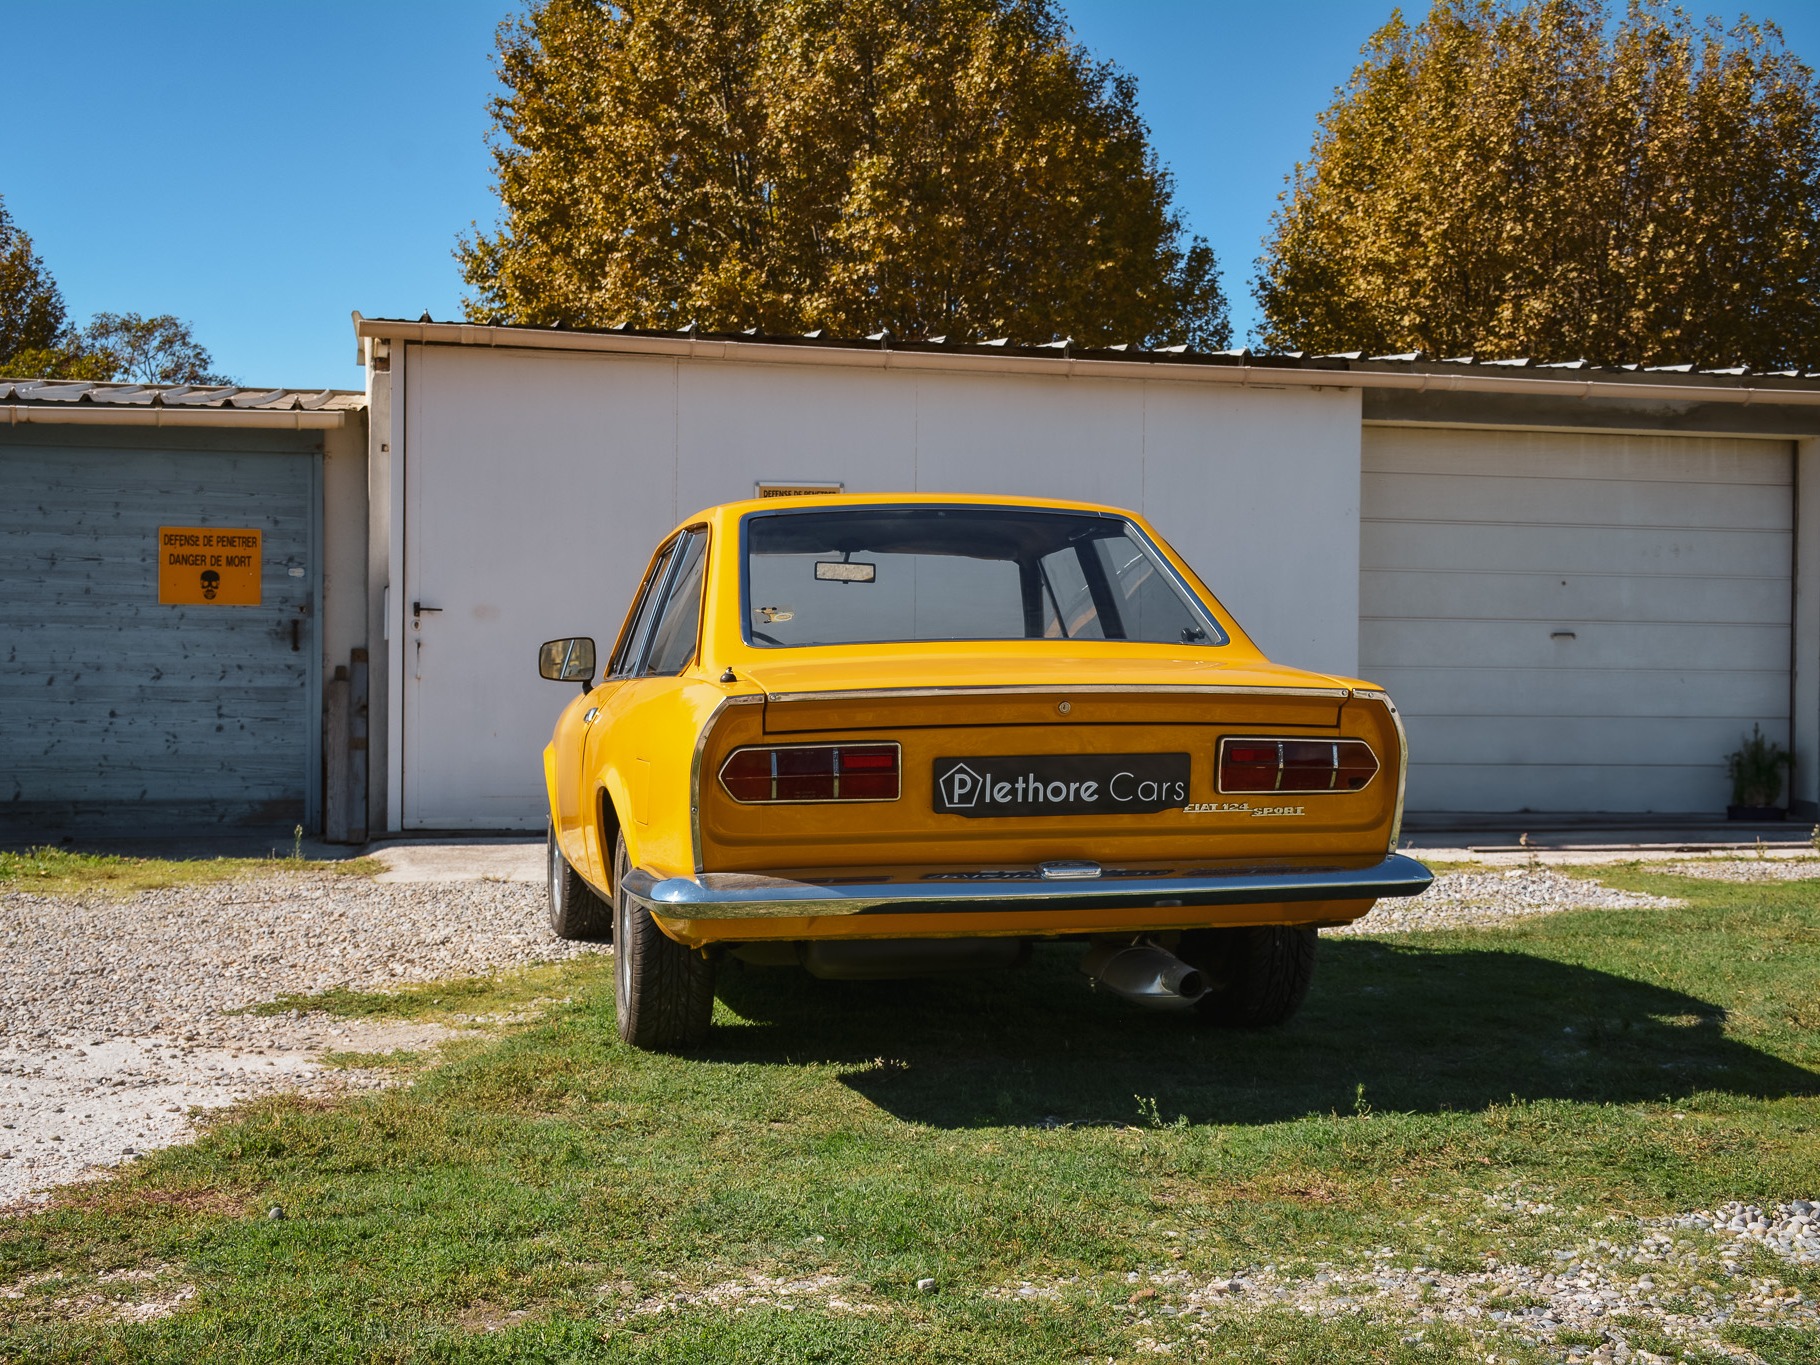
(501, 996)
(55, 872)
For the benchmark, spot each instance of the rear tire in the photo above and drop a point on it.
(576, 913)
(663, 992)
(1258, 975)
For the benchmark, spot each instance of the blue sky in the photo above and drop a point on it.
(264, 169)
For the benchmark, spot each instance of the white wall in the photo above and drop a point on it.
(385, 561)
(541, 481)
(344, 541)
(1259, 490)
(1804, 784)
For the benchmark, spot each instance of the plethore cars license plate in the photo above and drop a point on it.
(1060, 784)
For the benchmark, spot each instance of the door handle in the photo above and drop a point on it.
(418, 609)
(587, 717)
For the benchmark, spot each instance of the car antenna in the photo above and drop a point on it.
(728, 677)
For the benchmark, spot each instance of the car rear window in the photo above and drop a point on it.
(868, 575)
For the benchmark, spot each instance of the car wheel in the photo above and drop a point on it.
(1258, 975)
(663, 993)
(575, 911)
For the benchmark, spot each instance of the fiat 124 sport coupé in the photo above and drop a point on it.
(877, 736)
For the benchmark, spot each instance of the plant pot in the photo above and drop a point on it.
(1755, 813)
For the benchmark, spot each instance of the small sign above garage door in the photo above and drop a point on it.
(209, 566)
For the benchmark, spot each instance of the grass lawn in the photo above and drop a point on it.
(55, 872)
(547, 1194)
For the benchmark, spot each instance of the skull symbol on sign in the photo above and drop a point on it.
(210, 582)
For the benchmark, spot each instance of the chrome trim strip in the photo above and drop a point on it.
(1396, 716)
(1072, 689)
(701, 744)
(837, 799)
(738, 895)
(1219, 763)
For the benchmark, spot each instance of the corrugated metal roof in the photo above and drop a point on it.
(188, 396)
(1680, 375)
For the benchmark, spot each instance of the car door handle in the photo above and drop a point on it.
(587, 717)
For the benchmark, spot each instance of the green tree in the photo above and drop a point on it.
(1552, 180)
(159, 350)
(934, 167)
(36, 339)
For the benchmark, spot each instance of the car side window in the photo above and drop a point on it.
(678, 627)
(631, 640)
(1148, 608)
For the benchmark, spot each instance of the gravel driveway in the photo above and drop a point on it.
(1479, 899)
(112, 1023)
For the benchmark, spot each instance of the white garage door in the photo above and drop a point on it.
(1576, 622)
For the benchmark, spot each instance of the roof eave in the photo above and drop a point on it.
(1322, 372)
(98, 414)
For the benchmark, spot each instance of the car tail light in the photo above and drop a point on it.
(1296, 765)
(812, 772)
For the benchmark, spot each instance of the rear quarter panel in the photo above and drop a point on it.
(643, 758)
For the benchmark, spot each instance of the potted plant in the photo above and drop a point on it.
(1755, 768)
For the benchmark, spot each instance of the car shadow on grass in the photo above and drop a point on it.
(1420, 1030)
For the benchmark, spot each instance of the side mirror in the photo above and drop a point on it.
(570, 660)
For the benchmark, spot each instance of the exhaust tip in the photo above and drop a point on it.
(1145, 973)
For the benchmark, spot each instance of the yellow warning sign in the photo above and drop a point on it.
(209, 565)
(795, 490)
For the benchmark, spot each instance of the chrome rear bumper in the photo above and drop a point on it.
(740, 895)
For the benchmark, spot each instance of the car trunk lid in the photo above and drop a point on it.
(970, 687)
(1072, 717)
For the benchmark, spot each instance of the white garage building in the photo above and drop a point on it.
(1582, 585)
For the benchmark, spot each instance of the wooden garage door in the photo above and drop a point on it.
(127, 715)
(1575, 622)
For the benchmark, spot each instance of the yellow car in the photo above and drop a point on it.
(895, 735)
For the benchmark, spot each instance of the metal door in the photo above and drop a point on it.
(1576, 622)
(127, 715)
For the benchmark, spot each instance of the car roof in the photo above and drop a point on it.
(728, 511)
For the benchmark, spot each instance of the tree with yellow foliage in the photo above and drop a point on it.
(1547, 179)
(949, 168)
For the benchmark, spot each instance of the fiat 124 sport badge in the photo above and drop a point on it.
(882, 736)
